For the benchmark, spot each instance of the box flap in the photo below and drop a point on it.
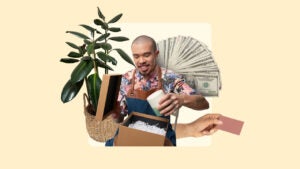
(108, 95)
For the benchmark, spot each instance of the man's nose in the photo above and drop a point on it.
(142, 60)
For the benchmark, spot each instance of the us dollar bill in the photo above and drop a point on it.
(204, 85)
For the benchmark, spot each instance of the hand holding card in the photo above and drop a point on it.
(230, 125)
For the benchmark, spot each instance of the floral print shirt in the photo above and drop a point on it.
(172, 82)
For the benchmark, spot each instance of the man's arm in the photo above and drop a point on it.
(171, 102)
(196, 102)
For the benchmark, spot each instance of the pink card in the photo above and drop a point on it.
(231, 125)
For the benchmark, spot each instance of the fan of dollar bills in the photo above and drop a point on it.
(191, 58)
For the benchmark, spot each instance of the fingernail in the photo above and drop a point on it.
(205, 132)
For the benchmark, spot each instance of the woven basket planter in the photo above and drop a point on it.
(100, 131)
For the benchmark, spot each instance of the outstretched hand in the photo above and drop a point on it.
(205, 125)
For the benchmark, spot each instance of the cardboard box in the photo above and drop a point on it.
(134, 137)
(108, 95)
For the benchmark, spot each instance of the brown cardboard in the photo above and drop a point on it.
(108, 95)
(134, 137)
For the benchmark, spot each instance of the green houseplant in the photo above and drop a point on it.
(95, 52)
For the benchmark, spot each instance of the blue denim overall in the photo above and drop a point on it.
(136, 102)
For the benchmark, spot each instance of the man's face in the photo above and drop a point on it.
(144, 57)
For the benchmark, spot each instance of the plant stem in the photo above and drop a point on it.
(94, 61)
(106, 52)
(86, 86)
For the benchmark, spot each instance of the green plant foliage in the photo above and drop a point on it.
(119, 38)
(81, 70)
(74, 55)
(103, 37)
(90, 48)
(93, 86)
(100, 14)
(114, 29)
(106, 58)
(87, 27)
(78, 34)
(69, 60)
(70, 90)
(95, 53)
(106, 46)
(124, 56)
(101, 64)
(74, 46)
(115, 19)
(103, 24)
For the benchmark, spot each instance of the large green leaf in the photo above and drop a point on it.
(106, 46)
(68, 60)
(118, 38)
(78, 34)
(100, 14)
(86, 58)
(102, 37)
(101, 23)
(87, 42)
(102, 56)
(90, 48)
(115, 19)
(81, 70)
(102, 64)
(113, 29)
(93, 87)
(70, 90)
(74, 55)
(98, 31)
(75, 47)
(105, 57)
(87, 27)
(124, 56)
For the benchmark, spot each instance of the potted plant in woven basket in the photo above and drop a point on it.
(93, 53)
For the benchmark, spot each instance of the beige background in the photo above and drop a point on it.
(254, 42)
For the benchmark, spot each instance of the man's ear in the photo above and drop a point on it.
(156, 53)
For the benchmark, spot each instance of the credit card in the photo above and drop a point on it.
(231, 125)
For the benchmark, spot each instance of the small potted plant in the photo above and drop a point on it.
(95, 52)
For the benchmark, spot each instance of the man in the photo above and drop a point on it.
(149, 77)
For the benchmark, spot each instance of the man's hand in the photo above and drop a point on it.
(170, 103)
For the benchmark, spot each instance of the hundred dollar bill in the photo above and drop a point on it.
(205, 85)
(210, 75)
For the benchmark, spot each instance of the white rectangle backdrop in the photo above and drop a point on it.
(160, 31)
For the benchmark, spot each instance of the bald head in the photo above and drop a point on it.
(144, 54)
(145, 39)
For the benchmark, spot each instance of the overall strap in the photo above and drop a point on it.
(132, 83)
